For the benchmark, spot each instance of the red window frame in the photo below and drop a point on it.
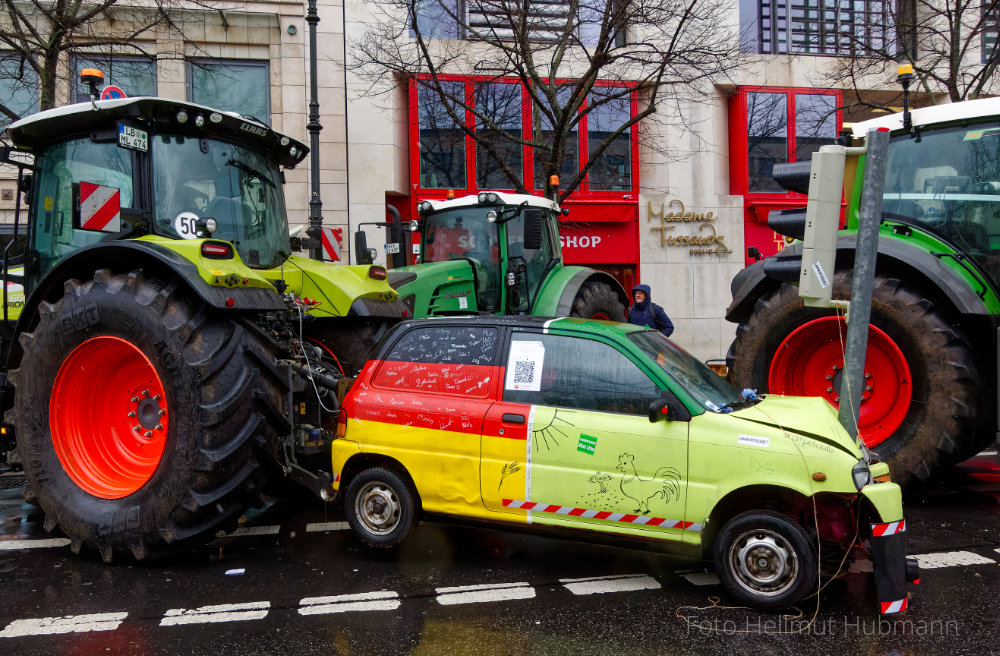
(583, 192)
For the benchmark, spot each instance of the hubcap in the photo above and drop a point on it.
(810, 362)
(378, 508)
(763, 562)
(108, 417)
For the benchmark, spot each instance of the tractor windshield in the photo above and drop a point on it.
(464, 233)
(948, 181)
(238, 187)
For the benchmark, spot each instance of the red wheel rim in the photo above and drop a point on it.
(108, 417)
(810, 362)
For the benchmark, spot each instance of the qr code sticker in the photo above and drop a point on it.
(524, 372)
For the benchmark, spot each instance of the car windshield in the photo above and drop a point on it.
(464, 233)
(238, 187)
(948, 181)
(709, 389)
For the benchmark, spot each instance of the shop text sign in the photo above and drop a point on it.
(705, 240)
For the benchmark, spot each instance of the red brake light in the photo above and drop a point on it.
(377, 273)
(216, 250)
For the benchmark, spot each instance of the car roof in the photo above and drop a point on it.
(525, 321)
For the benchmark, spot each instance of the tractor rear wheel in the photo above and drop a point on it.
(597, 300)
(918, 406)
(144, 418)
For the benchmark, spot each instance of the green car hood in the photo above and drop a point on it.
(810, 417)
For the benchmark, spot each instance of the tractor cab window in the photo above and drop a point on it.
(535, 261)
(464, 233)
(948, 182)
(238, 187)
(55, 214)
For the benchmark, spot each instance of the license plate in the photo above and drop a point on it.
(392, 248)
(134, 138)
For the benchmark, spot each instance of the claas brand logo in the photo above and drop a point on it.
(254, 129)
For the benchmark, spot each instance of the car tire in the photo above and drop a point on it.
(381, 507)
(765, 560)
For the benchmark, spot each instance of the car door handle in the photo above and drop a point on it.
(513, 419)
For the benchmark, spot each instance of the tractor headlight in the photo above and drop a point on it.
(862, 474)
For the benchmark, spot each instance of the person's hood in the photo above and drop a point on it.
(644, 289)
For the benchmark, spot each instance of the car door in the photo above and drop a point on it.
(570, 442)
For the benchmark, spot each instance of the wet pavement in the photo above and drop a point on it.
(293, 580)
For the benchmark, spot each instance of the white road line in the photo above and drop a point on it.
(366, 601)
(318, 527)
(951, 559)
(253, 530)
(10, 545)
(66, 624)
(604, 584)
(477, 594)
(702, 578)
(254, 610)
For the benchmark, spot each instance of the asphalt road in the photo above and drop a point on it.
(292, 580)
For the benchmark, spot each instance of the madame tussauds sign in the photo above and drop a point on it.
(705, 240)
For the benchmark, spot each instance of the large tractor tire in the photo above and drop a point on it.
(597, 300)
(918, 406)
(145, 420)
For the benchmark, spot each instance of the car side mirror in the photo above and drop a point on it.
(668, 408)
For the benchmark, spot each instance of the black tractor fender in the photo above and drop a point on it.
(565, 304)
(898, 256)
(128, 255)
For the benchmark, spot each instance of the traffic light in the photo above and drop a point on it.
(816, 225)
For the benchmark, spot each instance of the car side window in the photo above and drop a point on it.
(573, 372)
(440, 359)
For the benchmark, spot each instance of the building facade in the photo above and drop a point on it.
(685, 224)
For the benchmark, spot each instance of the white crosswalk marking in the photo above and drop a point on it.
(366, 601)
(254, 610)
(604, 584)
(12, 545)
(951, 559)
(253, 530)
(66, 624)
(477, 594)
(319, 527)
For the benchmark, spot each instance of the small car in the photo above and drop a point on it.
(608, 427)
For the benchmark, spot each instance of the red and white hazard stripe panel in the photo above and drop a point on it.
(892, 528)
(602, 514)
(892, 607)
(100, 207)
(331, 244)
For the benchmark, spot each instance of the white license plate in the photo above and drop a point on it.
(392, 248)
(134, 138)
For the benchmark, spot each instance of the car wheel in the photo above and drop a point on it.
(765, 560)
(380, 506)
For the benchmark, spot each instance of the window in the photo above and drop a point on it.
(500, 104)
(464, 353)
(576, 373)
(991, 32)
(18, 87)
(136, 76)
(239, 86)
(441, 142)
(816, 27)
(612, 171)
(785, 126)
(59, 170)
(571, 161)
(545, 20)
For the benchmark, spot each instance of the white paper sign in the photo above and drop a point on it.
(524, 366)
(754, 440)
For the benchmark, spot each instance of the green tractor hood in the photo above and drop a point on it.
(440, 287)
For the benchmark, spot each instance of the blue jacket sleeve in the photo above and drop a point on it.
(663, 322)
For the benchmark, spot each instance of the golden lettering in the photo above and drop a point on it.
(675, 212)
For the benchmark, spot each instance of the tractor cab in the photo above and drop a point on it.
(137, 167)
(499, 248)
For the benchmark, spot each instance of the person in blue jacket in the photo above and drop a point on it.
(647, 313)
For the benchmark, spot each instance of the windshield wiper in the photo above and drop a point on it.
(246, 168)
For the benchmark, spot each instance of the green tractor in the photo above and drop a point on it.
(167, 359)
(930, 389)
(499, 253)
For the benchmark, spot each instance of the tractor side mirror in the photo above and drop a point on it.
(362, 254)
(534, 224)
